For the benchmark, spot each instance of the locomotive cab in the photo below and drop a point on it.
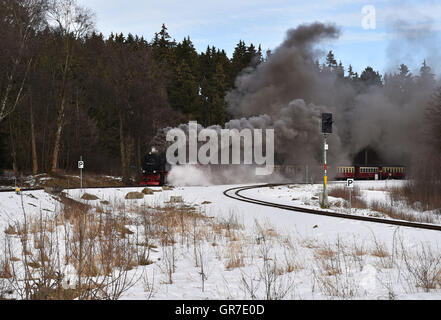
(154, 169)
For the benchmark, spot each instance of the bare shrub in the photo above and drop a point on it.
(423, 268)
(168, 266)
(149, 286)
(250, 285)
(381, 251)
(394, 213)
(277, 285)
(203, 269)
(333, 271)
(342, 192)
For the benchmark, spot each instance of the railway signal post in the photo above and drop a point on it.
(326, 131)
(350, 185)
(81, 167)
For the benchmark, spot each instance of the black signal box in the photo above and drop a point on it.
(327, 123)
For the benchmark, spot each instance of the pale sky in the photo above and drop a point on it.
(223, 23)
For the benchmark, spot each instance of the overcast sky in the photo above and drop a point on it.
(406, 31)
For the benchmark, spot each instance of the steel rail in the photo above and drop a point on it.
(237, 196)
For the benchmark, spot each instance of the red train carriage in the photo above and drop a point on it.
(344, 173)
(367, 173)
(370, 172)
(392, 172)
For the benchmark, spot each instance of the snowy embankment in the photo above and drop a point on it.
(236, 250)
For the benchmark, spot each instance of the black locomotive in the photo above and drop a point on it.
(155, 169)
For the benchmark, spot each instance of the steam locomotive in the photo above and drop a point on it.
(370, 172)
(155, 169)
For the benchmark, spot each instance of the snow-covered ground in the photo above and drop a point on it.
(315, 257)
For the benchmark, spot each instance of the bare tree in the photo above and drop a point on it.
(18, 22)
(72, 22)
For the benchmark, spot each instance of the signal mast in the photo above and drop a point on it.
(326, 131)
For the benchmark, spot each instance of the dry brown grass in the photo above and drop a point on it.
(290, 267)
(309, 243)
(420, 194)
(325, 253)
(5, 271)
(344, 193)
(235, 256)
(394, 213)
(380, 252)
(67, 181)
(10, 230)
(266, 231)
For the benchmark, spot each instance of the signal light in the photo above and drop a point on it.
(327, 123)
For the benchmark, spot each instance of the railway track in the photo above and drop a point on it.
(235, 193)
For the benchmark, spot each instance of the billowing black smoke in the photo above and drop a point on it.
(291, 89)
(289, 92)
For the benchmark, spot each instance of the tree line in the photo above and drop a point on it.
(66, 90)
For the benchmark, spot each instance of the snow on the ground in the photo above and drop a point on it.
(368, 276)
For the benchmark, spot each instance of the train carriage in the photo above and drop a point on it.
(367, 173)
(345, 172)
(393, 172)
(370, 172)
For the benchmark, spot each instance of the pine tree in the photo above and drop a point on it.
(340, 71)
(371, 77)
(331, 63)
(427, 78)
(351, 73)
(162, 46)
(184, 92)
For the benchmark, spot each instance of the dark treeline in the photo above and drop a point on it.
(67, 91)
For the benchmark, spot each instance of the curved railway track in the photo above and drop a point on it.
(235, 193)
